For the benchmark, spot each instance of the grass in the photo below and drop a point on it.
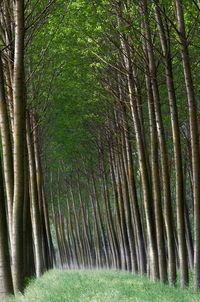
(100, 286)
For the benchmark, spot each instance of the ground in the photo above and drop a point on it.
(101, 286)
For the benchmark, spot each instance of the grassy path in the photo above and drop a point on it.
(101, 286)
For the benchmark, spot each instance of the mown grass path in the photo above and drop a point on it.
(101, 286)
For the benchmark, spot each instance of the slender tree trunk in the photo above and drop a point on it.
(6, 285)
(78, 235)
(76, 251)
(85, 226)
(35, 215)
(155, 174)
(162, 144)
(147, 195)
(19, 144)
(112, 231)
(180, 196)
(6, 148)
(194, 137)
(119, 222)
(132, 188)
(47, 227)
(96, 207)
(28, 253)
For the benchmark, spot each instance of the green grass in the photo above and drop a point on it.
(100, 286)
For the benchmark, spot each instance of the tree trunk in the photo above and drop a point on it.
(180, 196)
(19, 145)
(194, 137)
(162, 144)
(6, 285)
(6, 148)
(35, 214)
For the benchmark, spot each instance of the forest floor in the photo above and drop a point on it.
(100, 286)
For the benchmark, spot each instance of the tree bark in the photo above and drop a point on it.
(194, 136)
(34, 202)
(6, 285)
(6, 148)
(19, 145)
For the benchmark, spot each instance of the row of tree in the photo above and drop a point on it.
(133, 190)
(26, 247)
(99, 127)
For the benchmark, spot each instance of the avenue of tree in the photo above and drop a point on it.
(100, 138)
